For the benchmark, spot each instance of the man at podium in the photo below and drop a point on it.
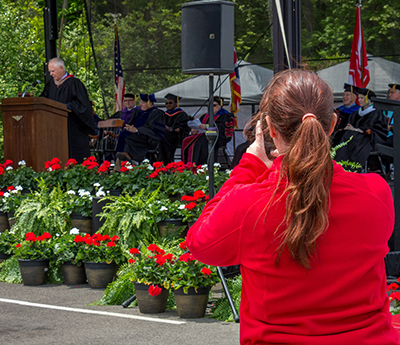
(69, 90)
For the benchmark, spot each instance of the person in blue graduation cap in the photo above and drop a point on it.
(175, 126)
(146, 127)
(195, 147)
(349, 105)
(366, 127)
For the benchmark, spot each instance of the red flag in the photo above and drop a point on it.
(119, 79)
(236, 93)
(359, 71)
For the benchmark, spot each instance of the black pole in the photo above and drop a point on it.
(211, 136)
(50, 32)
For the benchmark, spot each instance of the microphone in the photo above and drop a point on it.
(31, 86)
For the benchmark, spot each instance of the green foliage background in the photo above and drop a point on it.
(150, 40)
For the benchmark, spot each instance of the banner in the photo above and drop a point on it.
(119, 79)
(359, 71)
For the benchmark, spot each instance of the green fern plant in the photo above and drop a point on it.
(42, 211)
(130, 218)
(9, 271)
(120, 290)
(221, 309)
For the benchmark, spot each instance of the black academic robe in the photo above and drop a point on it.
(176, 119)
(151, 129)
(80, 120)
(195, 147)
(360, 146)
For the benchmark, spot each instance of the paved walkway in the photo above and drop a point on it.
(59, 314)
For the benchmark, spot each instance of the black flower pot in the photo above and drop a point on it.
(73, 274)
(84, 224)
(3, 257)
(4, 222)
(171, 225)
(100, 274)
(149, 304)
(34, 272)
(193, 304)
(11, 219)
(97, 208)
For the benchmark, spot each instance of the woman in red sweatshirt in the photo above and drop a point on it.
(310, 237)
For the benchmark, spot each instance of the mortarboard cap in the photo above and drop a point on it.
(148, 97)
(367, 93)
(394, 86)
(350, 88)
(173, 97)
(219, 100)
(131, 95)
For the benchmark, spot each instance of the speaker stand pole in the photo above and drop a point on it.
(211, 135)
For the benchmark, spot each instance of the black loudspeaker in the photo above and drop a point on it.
(207, 37)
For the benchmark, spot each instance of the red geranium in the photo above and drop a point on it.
(191, 205)
(154, 248)
(154, 290)
(134, 251)
(110, 244)
(8, 163)
(71, 161)
(206, 271)
(18, 245)
(186, 257)
(183, 245)
(131, 261)
(10, 188)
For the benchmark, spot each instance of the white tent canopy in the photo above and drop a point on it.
(195, 91)
(382, 72)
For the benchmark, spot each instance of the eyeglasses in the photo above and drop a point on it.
(169, 103)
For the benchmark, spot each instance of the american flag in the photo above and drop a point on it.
(119, 79)
(236, 93)
(359, 70)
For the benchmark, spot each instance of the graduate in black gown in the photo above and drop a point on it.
(367, 126)
(195, 147)
(175, 126)
(69, 90)
(146, 127)
(349, 105)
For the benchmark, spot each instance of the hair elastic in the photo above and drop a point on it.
(308, 115)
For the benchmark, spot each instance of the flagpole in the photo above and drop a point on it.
(362, 49)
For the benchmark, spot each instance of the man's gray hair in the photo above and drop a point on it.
(57, 62)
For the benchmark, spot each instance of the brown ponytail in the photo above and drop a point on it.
(307, 165)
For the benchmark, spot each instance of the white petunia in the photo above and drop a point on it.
(181, 207)
(71, 192)
(6, 194)
(18, 188)
(145, 161)
(207, 177)
(56, 246)
(163, 208)
(204, 166)
(14, 191)
(9, 168)
(96, 184)
(74, 231)
(129, 167)
(218, 165)
(22, 162)
(200, 170)
(57, 235)
(150, 167)
(100, 193)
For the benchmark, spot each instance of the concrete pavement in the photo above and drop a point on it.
(59, 314)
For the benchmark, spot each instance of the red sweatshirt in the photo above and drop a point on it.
(342, 299)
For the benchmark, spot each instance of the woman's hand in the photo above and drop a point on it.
(258, 147)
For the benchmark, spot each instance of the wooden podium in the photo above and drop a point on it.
(35, 130)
